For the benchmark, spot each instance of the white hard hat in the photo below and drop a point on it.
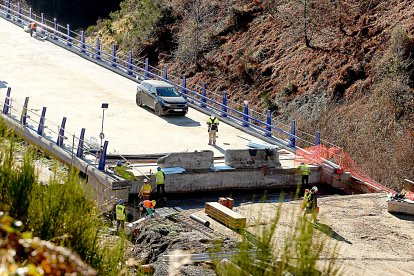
(213, 116)
(145, 180)
(315, 189)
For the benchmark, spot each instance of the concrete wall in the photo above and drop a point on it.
(253, 158)
(227, 180)
(188, 160)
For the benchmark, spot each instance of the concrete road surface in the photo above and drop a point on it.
(71, 86)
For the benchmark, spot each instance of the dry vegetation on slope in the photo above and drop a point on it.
(343, 67)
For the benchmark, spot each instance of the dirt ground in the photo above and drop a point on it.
(371, 241)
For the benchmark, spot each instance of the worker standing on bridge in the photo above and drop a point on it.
(32, 28)
(304, 171)
(160, 181)
(145, 191)
(121, 213)
(212, 124)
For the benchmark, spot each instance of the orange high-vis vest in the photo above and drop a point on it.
(148, 204)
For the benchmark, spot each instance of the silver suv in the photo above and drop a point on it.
(162, 97)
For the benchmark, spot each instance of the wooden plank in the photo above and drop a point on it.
(409, 185)
(401, 207)
(225, 215)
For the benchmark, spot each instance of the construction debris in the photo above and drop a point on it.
(162, 236)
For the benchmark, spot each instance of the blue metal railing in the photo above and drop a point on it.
(137, 70)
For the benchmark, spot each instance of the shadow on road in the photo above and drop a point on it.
(181, 121)
(177, 120)
(327, 230)
(220, 149)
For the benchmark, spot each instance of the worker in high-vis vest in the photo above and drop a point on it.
(311, 201)
(304, 171)
(145, 191)
(160, 181)
(149, 206)
(121, 213)
(212, 124)
(122, 171)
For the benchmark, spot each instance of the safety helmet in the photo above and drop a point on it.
(212, 116)
(119, 163)
(315, 189)
(153, 202)
(158, 168)
(302, 163)
(145, 180)
(121, 201)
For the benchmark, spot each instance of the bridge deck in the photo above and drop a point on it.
(71, 86)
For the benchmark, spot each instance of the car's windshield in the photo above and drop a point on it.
(167, 92)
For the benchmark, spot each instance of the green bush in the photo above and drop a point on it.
(59, 212)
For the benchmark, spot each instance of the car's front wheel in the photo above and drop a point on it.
(138, 100)
(158, 109)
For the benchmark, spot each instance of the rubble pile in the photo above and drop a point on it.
(161, 236)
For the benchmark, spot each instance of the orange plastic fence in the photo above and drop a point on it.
(317, 154)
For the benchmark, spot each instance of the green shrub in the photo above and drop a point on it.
(59, 212)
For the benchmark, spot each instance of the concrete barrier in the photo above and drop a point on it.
(252, 158)
(198, 160)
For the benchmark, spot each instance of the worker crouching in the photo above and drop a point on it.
(149, 206)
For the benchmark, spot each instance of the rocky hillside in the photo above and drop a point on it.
(342, 67)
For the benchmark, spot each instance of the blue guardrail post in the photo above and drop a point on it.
(98, 49)
(23, 118)
(203, 95)
(146, 68)
(19, 12)
(55, 28)
(6, 106)
(8, 9)
(130, 64)
(184, 90)
(268, 132)
(102, 160)
(41, 127)
(224, 105)
(83, 46)
(317, 138)
(246, 114)
(165, 75)
(42, 20)
(292, 140)
(59, 141)
(113, 55)
(79, 152)
(69, 40)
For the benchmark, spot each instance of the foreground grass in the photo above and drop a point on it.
(301, 251)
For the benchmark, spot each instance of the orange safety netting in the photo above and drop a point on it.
(319, 153)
